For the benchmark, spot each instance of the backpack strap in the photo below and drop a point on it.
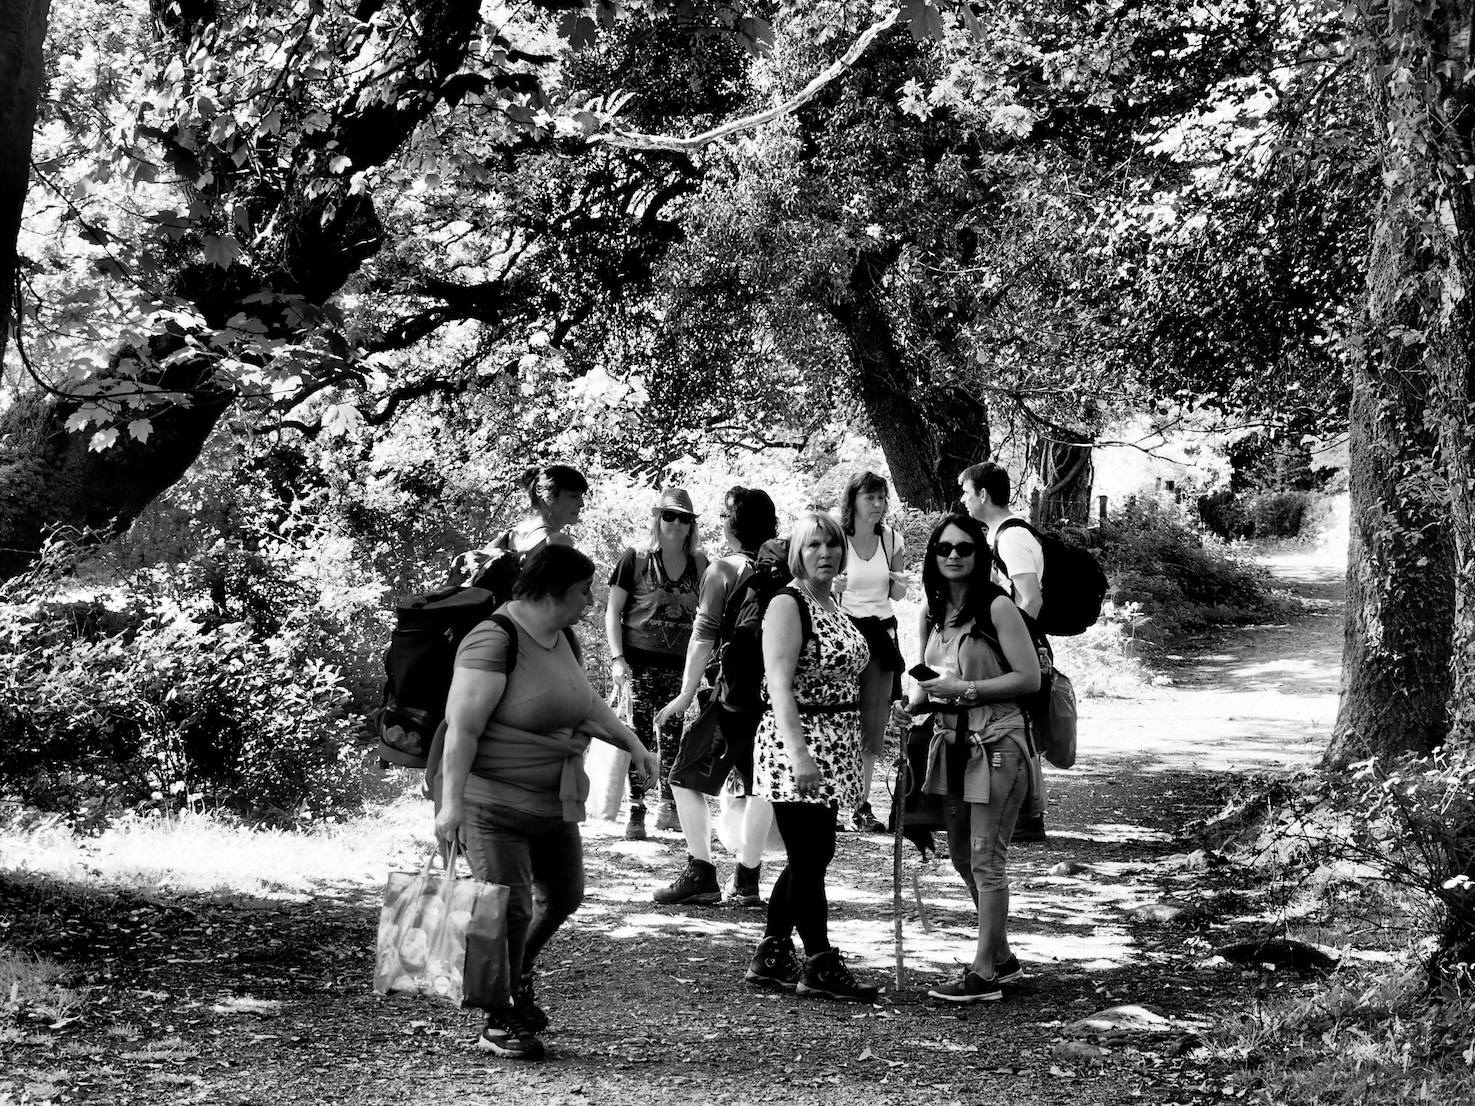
(509, 628)
(806, 626)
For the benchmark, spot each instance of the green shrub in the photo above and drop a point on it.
(1179, 580)
(1277, 514)
(199, 685)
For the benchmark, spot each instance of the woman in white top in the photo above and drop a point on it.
(871, 581)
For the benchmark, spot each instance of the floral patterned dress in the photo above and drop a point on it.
(827, 689)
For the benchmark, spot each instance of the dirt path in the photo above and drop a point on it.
(234, 999)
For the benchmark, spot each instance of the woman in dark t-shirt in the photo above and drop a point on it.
(652, 603)
(512, 784)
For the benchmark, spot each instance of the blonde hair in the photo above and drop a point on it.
(692, 545)
(808, 525)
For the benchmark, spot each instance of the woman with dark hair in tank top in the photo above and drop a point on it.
(983, 662)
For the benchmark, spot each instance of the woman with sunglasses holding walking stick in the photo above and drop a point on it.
(977, 663)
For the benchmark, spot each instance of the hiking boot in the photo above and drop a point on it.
(971, 987)
(775, 964)
(635, 827)
(696, 885)
(1028, 829)
(1009, 971)
(865, 821)
(523, 1002)
(666, 816)
(507, 1034)
(743, 890)
(826, 975)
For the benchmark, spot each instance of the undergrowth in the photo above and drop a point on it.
(1376, 863)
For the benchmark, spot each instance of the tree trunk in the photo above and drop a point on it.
(1066, 473)
(22, 71)
(928, 435)
(1400, 584)
(1411, 591)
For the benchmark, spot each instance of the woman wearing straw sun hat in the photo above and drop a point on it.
(652, 603)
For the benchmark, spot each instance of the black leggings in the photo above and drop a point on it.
(798, 898)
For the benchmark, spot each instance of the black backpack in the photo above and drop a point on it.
(1073, 587)
(422, 649)
(740, 638)
(417, 667)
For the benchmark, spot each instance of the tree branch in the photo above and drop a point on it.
(638, 140)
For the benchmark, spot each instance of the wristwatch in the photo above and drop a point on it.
(972, 692)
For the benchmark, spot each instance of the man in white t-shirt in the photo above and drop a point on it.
(986, 497)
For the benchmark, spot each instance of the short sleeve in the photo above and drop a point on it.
(624, 574)
(485, 649)
(712, 595)
(1020, 553)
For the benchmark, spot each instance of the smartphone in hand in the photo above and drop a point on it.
(921, 672)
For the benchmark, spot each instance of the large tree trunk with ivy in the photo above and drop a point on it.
(1400, 587)
(1409, 667)
(929, 434)
(22, 36)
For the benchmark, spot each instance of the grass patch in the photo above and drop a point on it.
(34, 985)
(207, 852)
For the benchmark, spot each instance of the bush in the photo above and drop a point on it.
(200, 685)
(1177, 579)
(1277, 514)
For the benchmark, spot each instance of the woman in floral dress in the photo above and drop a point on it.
(808, 759)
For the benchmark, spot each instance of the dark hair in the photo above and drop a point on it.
(935, 586)
(752, 516)
(991, 479)
(857, 486)
(544, 483)
(550, 570)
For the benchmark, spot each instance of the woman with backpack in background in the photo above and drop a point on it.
(652, 602)
(807, 760)
(511, 790)
(982, 662)
(872, 579)
(555, 499)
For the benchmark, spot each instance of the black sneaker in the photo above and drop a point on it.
(696, 885)
(1009, 971)
(971, 987)
(865, 821)
(743, 890)
(1028, 830)
(507, 1034)
(527, 1006)
(635, 827)
(775, 964)
(826, 975)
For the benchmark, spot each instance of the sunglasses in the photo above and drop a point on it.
(948, 548)
(676, 516)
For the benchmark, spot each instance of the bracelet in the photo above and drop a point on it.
(972, 691)
(617, 657)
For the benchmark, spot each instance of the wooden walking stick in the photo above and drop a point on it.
(898, 817)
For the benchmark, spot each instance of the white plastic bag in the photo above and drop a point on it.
(608, 768)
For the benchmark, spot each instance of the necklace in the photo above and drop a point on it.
(820, 603)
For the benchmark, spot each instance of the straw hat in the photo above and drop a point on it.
(675, 499)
